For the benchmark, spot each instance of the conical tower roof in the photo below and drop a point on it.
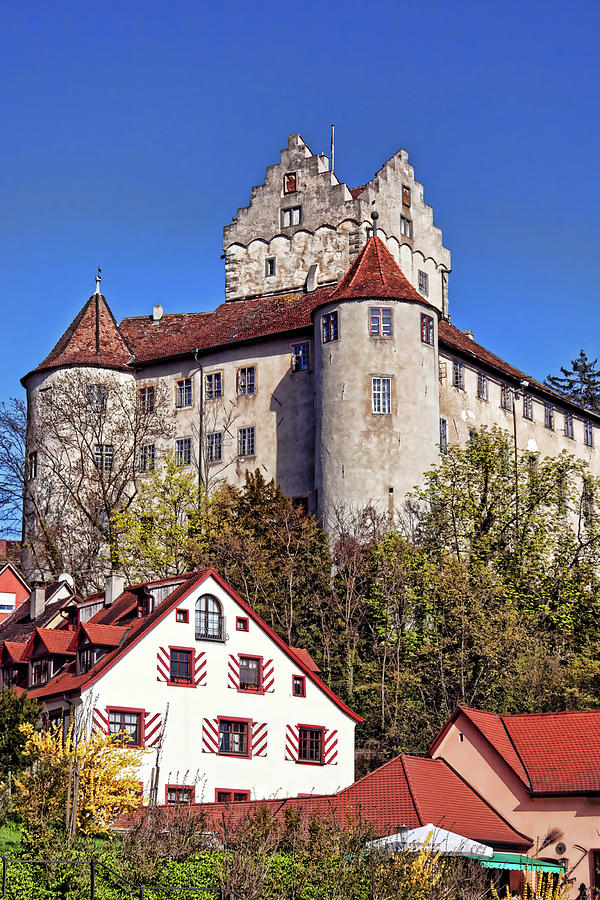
(92, 339)
(375, 273)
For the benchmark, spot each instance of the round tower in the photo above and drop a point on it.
(377, 397)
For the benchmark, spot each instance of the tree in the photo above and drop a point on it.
(15, 710)
(13, 427)
(580, 383)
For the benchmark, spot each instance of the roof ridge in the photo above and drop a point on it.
(410, 789)
(514, 746)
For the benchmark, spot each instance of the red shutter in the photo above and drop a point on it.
(163, 664)
(291, 742)
(152, 729)
(210, 735)
(259, 738)
(99, 721)
(233, 672)
(268, 676)
(200, 669)
(330, 746)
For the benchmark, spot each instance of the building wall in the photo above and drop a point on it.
(12, 592)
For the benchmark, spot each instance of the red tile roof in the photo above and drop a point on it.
(15, 650)
(306, 658)
(56, 641)
(103, 635)
(494, 730)
(357, 191)
(375, 273)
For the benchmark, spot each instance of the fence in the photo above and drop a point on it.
(96, 867)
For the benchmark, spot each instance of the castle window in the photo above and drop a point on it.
(147, 398)
(301, 357)
(300, 504)
(246, 441)
(103, 457)
(233, 737)
(183, 451)
(214, 385)
(291, 216)
(569, 425)
(482, 386)
(406, 227)
(427, 332)
(270, 267)
(588, 434)
(548, 415)
(299, 685)
(458, 375)
(32, 460)
(405, 195)
(310, 745)
(289, 182)
(423, 283)
(183, 393)
(96, 397)
(246, 381)
(506, 397)
(330, 327)
(443, 435)
(214, 446)
(381, 390)
(380, 321)
(147, 457)
(528, 407)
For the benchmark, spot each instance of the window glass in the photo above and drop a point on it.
(146, 398)
(310, 745)
(183, 451)
(299, 686)
(147, 457)
(301, 357)
(458, 375)
(210, 623)
(233, 737)
(183, 393)
(181, 666)
(246, 443)
(427, 332)
(380, 321)
(381, 394)
(246, 380)
(103, 457)
(214, 385)
(214, 446)
(330, 327)
(129, 722)
(249, 673)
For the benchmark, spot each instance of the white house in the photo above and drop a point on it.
(223, 707)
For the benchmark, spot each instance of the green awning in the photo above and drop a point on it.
(516, 861)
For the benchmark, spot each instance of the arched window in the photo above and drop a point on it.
(210, 623)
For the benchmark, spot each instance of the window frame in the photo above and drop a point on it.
(32, 465)
(528, 407)
(312, 762)
(302, 680)
(231, 792)
(270, 266)
(588, 433)
(286, 189)
(260, 688)
(95, 395)
(244, 621)
(180, 787)
(182, 616)
(443, 435)
(506, 397)
(207, 634)
(192, 653)
(211, 393)
(238, 380)
(549, 416)
(406, 192)
(128, 710)
(384, 398)
(294, 356)
(246, 428)
(291, 210)
(179, 460)
(330, 323)
(427, 330)
(230, 754)
(143, 393)
(210, 447)
(458, 369)
(377, 327)
(482, 387)
(423, 282)
(569, 429)
(147, 460)
(104, 457)
(176, 384)
(406, 227)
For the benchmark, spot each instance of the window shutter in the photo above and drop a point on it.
(259, 738)
(200, 669)
(330, 747)
(210, 735)
(268, 676)
(163, 664)
(152, 729)
(99, 721)
(233, 672)
(292, 734)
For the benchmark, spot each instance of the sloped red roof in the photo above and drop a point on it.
(93, 338)
(492, 727)
(15, 650)
(357, 191)
(104, 635)
(306, 658)
(56, 640)
(375, 273)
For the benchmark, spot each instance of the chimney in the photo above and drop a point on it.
(113, 588)
(157, 312)
(37, 600)
(469, 334)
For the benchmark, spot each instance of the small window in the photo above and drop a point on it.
(587, 501)
(406, 227)
(246, 442)
(250, 673)
(87, 659)
(183, 451)
(482, 386)
(233, 737)
(298, 685)
(181, 667)
(289, 182)
(423, 283)
(183, 393)
(214, 446)
(330, 327)
(246, 380)
(103, 457)
(214, 385)
(548, 415)
(427, 332)
(380, 321)
(301, 357)
(270, 267)
(242, 623)
(147, 398)
(443, 435)
(458, 375)
(506, 397)
(96, 397)
(182, 615)
(405, 195)
(179, 793)
(291, 216)
(39, 672)
(231, 796)
(32, 469)
(381, 394)
(569, 425)
(310, 745)
(301, 503)
(130, 722)
(528, 407)
(588, 434)
(147, 457)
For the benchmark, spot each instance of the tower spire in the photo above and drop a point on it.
(98, 280)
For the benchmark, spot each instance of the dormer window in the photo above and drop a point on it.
(40, 672)
(143, 605)
(87, 659)
(10, 675)
(72, 619)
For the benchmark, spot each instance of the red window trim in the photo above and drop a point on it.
(245, 620)
(185, 616)
(427, 330)
(185, 787)
(308, 762)
(303, 680)
(379, 310)
(248, 753)
(183, 684)
(231, 791)
(129, 709)
(260, 689)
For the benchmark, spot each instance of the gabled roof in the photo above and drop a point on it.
(14, 650)
(18, 626)
(54, 640)
(306, 658)
(551, 753)
(92, 339)
(103, 635)
(375, 273)
(13, 569)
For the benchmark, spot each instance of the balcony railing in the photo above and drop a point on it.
(210, 626)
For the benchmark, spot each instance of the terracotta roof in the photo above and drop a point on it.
(92, 339)
(306, 658)
(19, 626)
(56, 641)
(357, 191)
(14, 650)
(375, 273)
(104, 635)
(493, 729)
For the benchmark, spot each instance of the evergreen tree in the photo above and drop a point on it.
(581, 383)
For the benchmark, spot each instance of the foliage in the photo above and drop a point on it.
(580, 383)
(75, 783)
(13, 427)
(15, 710)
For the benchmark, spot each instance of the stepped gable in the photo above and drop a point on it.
(375, 273)
(92, 339)
(234, 322)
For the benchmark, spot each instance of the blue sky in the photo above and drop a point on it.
(133, 131)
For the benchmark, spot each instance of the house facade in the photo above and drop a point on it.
(13, 589)
(222, 707)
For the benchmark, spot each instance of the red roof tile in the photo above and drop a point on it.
(492, 727)
(56, 641)
(375, 273)
(15, 650)
(357, 191)
(104, 635)
(306, 658)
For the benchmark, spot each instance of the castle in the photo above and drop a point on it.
(332, 366)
